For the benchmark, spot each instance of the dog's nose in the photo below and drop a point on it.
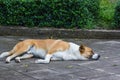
(95, 57)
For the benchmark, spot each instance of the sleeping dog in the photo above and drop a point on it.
(49, 49)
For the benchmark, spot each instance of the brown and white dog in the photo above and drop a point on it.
(49, 49)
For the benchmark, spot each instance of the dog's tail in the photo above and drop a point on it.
(5, 54)
(18, 49)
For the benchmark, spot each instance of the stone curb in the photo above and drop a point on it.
(60, 33)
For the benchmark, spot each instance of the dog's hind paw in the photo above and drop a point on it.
(17, 59)
(8, 60)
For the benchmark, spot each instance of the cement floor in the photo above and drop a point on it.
(106, 68)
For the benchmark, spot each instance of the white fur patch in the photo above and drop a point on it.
(72, 53)
(37, 52)
(4, 54)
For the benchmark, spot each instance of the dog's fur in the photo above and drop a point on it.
(48, 49)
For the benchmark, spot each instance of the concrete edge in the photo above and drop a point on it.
(60, 33)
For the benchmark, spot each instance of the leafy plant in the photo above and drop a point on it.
(117, 15)
(107, 10)
(49, 13)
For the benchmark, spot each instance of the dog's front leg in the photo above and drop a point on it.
(46, 60)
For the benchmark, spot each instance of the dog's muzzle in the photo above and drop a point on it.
(95, 57)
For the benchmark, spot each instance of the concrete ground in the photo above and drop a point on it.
(106, 68)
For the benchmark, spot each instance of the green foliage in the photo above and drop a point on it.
(49, 13)
(107, 9)
(117, 15)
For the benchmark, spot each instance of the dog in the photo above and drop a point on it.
(49, 49)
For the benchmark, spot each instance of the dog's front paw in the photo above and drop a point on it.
(17, 59)
(38, 60)
(41, 61)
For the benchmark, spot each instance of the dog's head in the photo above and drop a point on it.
(88, 53)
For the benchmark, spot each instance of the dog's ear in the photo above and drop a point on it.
(82, 48)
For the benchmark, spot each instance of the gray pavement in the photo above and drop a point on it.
(106, 68)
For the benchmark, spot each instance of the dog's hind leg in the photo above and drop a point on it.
(15, 54)
(18, 50)
(25, 56)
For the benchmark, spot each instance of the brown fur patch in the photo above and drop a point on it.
(86, 51)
